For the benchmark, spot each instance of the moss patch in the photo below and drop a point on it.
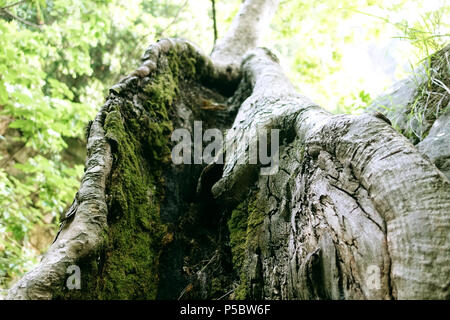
(246, 229)
(137, 235)
(136, 232)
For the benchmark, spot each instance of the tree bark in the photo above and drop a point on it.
(353, 212)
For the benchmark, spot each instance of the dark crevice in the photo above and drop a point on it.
(390, 283)
(197, 263)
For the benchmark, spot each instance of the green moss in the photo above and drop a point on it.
(137, 234)
(238, 233)
(241, 292)
(161, 93)
(217, 286)
(136, 231)
(183, 63)
(127, 267)
(245, 226)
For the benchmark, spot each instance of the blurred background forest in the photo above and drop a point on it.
(58, 58)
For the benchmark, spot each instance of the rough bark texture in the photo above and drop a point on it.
(437, 143)
(354, 211)
(352, 195)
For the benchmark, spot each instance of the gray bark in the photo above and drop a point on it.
(437, 144)
(351, 193)
(354, 211)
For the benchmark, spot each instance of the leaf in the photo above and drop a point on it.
(60, 89)
(22, 124)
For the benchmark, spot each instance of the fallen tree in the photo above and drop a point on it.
(353, 210)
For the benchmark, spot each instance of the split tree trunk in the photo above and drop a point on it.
(354, 211)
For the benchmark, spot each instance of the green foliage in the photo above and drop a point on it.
(427, 36)
(324, 45)
(44, 111)
(45, 189)
(354, 103)
(432, 97)
(57, 60)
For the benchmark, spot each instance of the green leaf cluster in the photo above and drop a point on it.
(57, 60)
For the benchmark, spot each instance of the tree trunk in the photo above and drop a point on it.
(354, 211)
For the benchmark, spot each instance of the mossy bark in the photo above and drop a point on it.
(138, 123)
(128, 174)
(246, 232)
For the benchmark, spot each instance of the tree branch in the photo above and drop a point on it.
(173, 20)
(214, 19)
(13, 4)
(20, 19)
